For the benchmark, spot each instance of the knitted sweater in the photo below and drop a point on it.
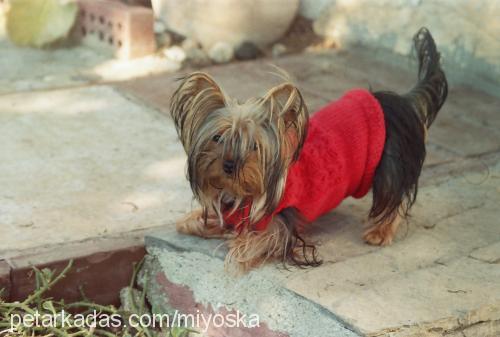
(342, 149)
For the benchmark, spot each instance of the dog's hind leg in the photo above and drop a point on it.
(407, 118)
(382, 233)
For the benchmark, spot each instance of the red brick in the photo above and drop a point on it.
(126, 29)
(4, 279)
(181, 298)
(101, 268)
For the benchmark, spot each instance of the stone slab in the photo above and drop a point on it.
(27, 69)
(466, 125)
(169, 239)
(489, 254)
(468, 115)
(82, 163)
(195, 283)
(440, 277)
(241, 80)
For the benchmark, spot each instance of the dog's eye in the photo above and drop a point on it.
(216, 138)
(255, 146)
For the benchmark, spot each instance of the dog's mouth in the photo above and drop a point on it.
(227, 201)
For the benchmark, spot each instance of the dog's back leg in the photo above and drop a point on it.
(407, 118)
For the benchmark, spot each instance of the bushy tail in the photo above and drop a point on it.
(429, 94)
(407, 118)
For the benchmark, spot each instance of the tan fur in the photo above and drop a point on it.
(194, 224)
(382, 234)
(239, 154)
(261, 135)
(251, 249)
(247, 250)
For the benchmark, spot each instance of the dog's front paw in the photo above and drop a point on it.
(195, 224)
(191, 224)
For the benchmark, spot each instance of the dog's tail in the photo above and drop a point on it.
(428, 96)
(407, 118)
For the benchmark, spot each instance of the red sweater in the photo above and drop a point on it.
(342, 149)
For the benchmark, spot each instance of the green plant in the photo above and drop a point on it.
(41, 22)
(38, 302)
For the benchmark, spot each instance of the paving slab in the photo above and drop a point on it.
(467, 125)
(27, 69)
(81, 161)
(86, 162)
(440, 277)
(195, 283)
(241, 80)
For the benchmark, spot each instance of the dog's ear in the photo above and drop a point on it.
(197, 96)
(289, 112)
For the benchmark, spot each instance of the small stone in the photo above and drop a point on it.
(221, 52)
(190, 44)
(247, 51)
(175, 53)
(197, 57)
(164, 39)
(159, 27)
(278, 50)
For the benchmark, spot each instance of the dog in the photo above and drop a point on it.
(262, 170)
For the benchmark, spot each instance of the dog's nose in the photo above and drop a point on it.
(228, 166)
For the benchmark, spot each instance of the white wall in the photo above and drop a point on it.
(466, 31)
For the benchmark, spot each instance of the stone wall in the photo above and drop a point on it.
(466, 31)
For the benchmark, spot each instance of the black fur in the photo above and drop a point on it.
(407, 117)
(298, 251)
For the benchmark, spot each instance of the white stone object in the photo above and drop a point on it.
(221, 52)
(278, 49)
(233, 21)
(175, 53)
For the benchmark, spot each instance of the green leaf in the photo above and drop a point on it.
(49, 306)
(181, 332)
(37, 23)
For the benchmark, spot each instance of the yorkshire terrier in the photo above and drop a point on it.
(263, 169)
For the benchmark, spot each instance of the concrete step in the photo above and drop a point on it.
(467, 125)
(187, 274)
(85, 162)
(440, 277)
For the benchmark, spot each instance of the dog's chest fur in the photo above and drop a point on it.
(342, 150)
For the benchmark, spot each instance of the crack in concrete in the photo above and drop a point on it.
(452, 215)
(497, 261)
(461, 327)
(424, 330)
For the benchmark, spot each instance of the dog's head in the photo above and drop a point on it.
(238, 152)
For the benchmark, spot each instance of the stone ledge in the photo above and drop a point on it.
(195, 282)
(101, 268)
(437, 277)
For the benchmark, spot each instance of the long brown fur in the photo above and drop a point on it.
(240, 152)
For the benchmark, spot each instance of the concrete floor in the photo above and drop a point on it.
(85, 158)
(28, 69)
